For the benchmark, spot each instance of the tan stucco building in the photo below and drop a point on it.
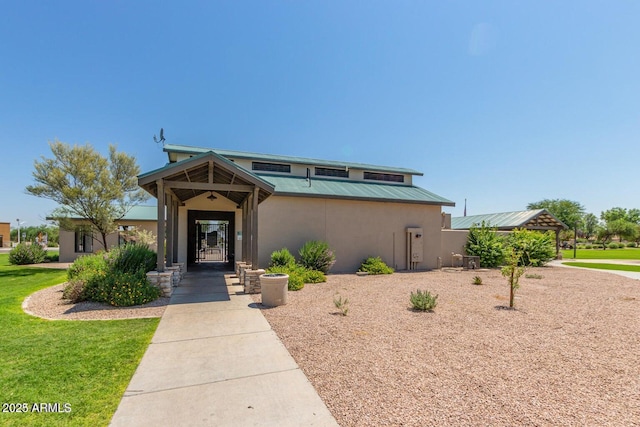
(234, 206)
(5, 234)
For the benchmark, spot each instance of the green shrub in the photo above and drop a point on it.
(486, 244)
(282, 258)
(86, 265)
(316, 255)
(589, 246)
(423, 300)
(117, 277)
(74, 290)
(131, 258)
(375, 266)
(122, 289)
(54, 257)
(632, 245)
(613, 245)
(296, 275)
(24, 254)
(477, 280)
(535, 248)
(314, 276)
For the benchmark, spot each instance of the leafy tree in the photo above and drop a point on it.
(88, 185)
(625, 230)
(484, 242)
(589, 225)
(614, 214)
(633, 215)
(567, 211)
(604, 235)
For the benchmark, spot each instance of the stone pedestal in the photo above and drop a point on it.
(182, 267)
(239, 265)
(162, 281)
(252, 281)
(243, 269)
(175, 279)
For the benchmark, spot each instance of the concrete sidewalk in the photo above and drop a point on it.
(629, 274)
(214, 361)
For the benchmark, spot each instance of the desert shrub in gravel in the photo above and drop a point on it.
(85, 265)
(486, 244)
(117, 277)
(314, 276)
(341, 304)
(24, 254)
(296, 275)
(282, 258)
(131, 258)
(316, 255)
(477, 280)
(423, 300)
(375, 265)
(535, 248)
(122, 289)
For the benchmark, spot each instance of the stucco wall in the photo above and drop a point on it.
(67, 240)
(353, 229)
(452, 241)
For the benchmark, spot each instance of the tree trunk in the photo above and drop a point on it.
(511, 288)
(104, 241)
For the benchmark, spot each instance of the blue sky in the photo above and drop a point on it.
(500, 102)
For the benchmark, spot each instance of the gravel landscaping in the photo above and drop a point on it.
(48, 304)
(567, 355)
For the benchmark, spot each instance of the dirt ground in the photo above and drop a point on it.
(569, 354)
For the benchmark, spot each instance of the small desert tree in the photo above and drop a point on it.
(513, 271)
(98, 189)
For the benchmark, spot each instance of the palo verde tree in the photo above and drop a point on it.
(87, 185)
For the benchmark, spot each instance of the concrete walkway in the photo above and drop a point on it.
(629, 274)
(214, 361)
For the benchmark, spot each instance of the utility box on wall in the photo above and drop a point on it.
(415, 247)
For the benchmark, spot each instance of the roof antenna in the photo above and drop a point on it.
(161, 139)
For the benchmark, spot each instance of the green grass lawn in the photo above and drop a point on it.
(85, 364)
(604, 266)
(626, 253)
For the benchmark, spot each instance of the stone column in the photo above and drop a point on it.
(252, 281)
(161, 281)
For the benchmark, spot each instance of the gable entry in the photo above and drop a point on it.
(178, 182)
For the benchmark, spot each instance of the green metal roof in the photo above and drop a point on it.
(538, 218)
(353, 190)
(289, 159)
(136, 213)
(142, 213)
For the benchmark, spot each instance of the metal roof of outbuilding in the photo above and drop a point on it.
(353, 190)
(532, 219)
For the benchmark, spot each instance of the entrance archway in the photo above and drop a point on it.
(210, 237)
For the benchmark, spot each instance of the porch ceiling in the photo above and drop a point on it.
(205, 173)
